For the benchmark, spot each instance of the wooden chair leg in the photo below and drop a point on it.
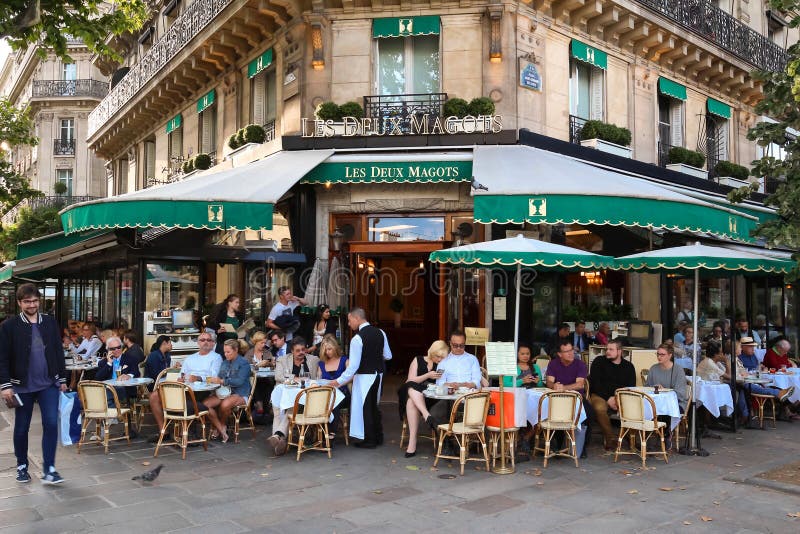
(643, 447)
(439, 449)
(300, 441)
(663, 447)
(547, 437)
(327, 440)
(403, 431)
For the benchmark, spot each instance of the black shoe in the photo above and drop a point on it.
(431, 422)
(411, 454)
(52, 478)
(22, 474)
(365, 445)
(153, 439)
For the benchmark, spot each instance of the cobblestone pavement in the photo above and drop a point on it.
(241, 487)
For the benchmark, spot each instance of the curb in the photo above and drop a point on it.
(764, 483)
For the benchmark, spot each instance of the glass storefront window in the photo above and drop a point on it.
(171, 286)
(544, 291)
(714, 303)
(8, 301)
(388, 229)
(255, 291)
(126, 298)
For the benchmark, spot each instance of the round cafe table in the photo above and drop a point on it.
(786, 380)
(666, 402)
(431, 394)
(131, 382)
(714, 396)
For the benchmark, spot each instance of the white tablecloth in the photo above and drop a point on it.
(534, 394)
(666, 404)
(129, 383)
(784, 381)
(283, 397)
(714, 397)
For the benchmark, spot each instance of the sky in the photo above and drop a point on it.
(4, 50)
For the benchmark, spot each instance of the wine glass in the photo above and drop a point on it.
(303, 378)
(287, 375)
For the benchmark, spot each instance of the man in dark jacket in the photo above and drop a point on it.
(608, 374)
(32, 370)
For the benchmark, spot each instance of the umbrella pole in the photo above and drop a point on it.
(505, 469)
(693, 448)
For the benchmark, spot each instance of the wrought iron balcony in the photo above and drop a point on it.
(73, 88)
(269, 131)
(710, 22)
(663, 153)
(56, 201)
(64, 147)
(575, 126)
(384, 107)
(193, 20)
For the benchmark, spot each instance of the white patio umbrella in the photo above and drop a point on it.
(696, 258)
(316, 292)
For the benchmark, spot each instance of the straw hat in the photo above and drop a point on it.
(748, 341)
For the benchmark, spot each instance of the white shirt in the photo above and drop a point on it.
(356, 346)
(203, 366)
(280, 309)
(460, 368)
(89, 347)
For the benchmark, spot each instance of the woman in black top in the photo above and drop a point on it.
(421, 372)
(226, 311)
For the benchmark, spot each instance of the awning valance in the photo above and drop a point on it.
(260, 63)
(670, 88)
(41, 253)
(236, 199)
(174, 123)
(715, 107)
(526, 184)
(207, 100)
(588, 54)
(426, 168)
(405, 26)
(49, 243)
(7, 271)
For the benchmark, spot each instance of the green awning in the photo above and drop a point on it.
(670, 88)
(405, 26)
(703, 257)
(174, 123)
(207, 100)
(588, 54)
(6, 272)
(715, 107)
(391, 171)
(241, 198)
(49, 243)
(526, 184)
(260, 63)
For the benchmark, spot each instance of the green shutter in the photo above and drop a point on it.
(174, 123)
(405, 26)
(260, 63)
(715, 107)
(593, 56)
(206, 101)
(670, 88)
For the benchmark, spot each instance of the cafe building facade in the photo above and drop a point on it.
(379, 189)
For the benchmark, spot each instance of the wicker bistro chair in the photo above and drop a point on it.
(494, 443)
(563, 414)
(180, 410)
(94, 399)
(632, 419)
(472, 424)
(759, 401)
(245, 409)
(319, 403)
(683, 425)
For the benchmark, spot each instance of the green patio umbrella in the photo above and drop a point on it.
(518, 252)
(696, 258)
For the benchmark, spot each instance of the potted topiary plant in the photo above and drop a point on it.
(253, 133)
(607, 137)
(481, 105)
(202, 162)
(233, 142)
(687, 161)
(396, 305)
(240, 137)
(331, 113)
(351, 109)
(60, 188)
(456, 107)
(187, 166)
(728, 173)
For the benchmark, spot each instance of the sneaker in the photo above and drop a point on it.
(52, 478)
(785, 393)
(280, 448)
(22, 474)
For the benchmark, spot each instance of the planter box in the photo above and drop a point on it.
(243, 148)
(688, 169)
(611, 148)
(733, 182)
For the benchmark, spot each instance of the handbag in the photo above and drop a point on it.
(223, 392)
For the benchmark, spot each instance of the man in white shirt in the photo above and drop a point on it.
(459, 369)
(281, 316)
(203, 363)
(90, 345)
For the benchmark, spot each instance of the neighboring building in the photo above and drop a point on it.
(60, 96)
(675, 73)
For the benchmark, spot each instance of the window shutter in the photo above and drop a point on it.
(206, 130)
(676, 122)
(596, 111)
(722, 139)
(258, 99)
(176, 143)
(270, 98)
(149, 159)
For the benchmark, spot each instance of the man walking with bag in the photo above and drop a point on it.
(32, 370)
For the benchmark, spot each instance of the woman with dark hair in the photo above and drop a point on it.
(668, 375)
(228, 312)
(322, 325)
(159, 358)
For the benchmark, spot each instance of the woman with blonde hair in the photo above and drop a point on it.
(260, 356)
(421, 372)
(332, 364)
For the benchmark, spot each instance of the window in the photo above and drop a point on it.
(406, 228)
(264, 102)
(670, 126)
(69, 72)
(408, 65)
(149, 161)
(175, 139)
(65, 177)
(586, 99)
(67, 129)
(716, 140)
(208, 130)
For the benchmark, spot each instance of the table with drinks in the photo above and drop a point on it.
(284, 394)
(130, 382)
(786, 378)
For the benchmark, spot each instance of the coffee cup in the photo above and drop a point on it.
(441, 390)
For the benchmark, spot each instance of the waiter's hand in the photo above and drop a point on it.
(8, 393)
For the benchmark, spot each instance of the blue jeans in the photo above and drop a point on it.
(48, 406)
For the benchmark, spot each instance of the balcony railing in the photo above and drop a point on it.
(51, 88)
(196, 17)
(713, 24)
(575, 127)
(385, 107)
(64, 147)
(269, 131)
(59, 201)
(663, 154)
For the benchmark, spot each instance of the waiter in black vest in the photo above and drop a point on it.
(369, 350)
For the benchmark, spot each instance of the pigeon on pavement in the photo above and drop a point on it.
(149, 476)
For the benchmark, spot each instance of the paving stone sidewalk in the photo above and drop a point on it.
(240, 487)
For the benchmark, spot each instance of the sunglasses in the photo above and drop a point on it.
(114, 348)
(457, 345)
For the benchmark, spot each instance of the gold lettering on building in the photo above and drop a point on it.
(415, 124)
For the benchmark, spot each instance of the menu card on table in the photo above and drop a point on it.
(501, 358)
